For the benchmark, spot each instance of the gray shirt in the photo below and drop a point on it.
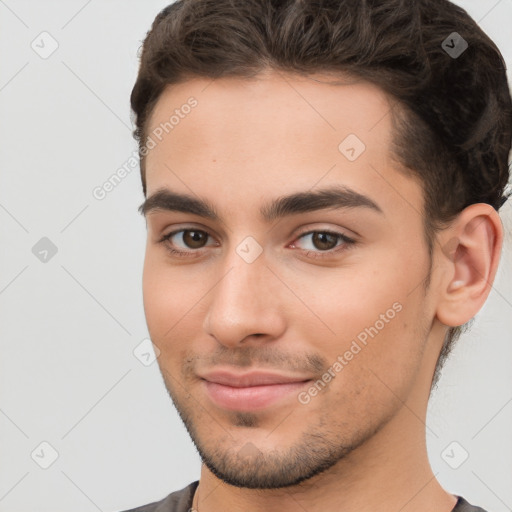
(181, 501)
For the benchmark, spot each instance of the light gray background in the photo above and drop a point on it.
(68, 328)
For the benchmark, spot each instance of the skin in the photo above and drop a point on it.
(359, 444)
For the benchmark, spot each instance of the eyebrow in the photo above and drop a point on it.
(339, 197)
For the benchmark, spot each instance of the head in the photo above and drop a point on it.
(359, 102)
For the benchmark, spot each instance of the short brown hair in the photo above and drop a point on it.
(453, 127)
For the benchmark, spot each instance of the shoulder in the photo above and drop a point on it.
(177, 501)
(463, 506)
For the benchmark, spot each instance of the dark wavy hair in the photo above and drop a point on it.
(452, 118)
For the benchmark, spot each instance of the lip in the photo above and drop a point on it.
(254, 378)
(250, 391)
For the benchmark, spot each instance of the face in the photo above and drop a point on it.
(290, 331)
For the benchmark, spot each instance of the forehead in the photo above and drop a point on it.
(274, 133)
(273, 103)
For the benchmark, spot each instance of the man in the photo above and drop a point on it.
(322, 181)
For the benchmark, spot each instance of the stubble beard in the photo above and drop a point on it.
(319, 448)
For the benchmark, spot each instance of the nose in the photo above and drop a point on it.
(245, 306)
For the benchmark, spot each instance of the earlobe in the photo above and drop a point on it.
(469, 258)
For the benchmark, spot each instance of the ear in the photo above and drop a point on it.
(468, 254)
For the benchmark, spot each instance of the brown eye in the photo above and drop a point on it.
(324, 241)
(323, 244)
(185, 240)
(194, 239)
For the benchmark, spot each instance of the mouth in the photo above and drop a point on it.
(251, 391)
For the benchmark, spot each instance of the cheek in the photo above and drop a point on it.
(347, 300)
(370, 319)
(373, 364)
(172, 303)
(171, 298)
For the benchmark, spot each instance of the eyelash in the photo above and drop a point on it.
(347, 244)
